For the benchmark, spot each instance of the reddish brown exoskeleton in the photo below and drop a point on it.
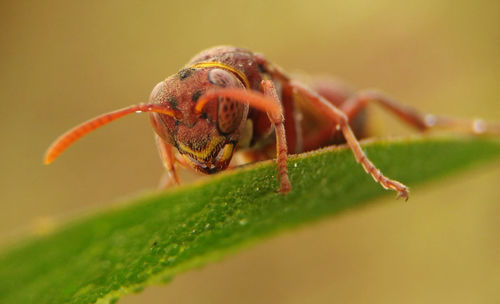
(228, 97)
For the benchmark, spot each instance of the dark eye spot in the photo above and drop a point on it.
(231, 106)
(196, 95)
(183, 74)
(262, 69)
(173, 101)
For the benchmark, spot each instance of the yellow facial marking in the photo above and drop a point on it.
(227, 153)
(204, 153)
(223, 66)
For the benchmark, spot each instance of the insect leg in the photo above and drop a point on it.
(325, 132)
(409, 115)
(292, 126)
(278, 120)
(168, 160)
(341, 119)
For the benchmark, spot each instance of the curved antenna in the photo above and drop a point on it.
(65, 140)
(254, 99)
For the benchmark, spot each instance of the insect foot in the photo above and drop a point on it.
(285, 185)
(401, 189)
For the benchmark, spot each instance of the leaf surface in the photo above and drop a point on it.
(151, 238)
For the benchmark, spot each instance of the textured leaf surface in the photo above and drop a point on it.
(152, 238)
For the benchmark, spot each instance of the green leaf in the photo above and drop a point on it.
(151, 239)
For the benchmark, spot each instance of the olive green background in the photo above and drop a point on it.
(64, 62)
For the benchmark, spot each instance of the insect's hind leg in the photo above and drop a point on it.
(422, 122)
(335, 114)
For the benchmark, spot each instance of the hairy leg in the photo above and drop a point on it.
(341, 119)
(278, 120)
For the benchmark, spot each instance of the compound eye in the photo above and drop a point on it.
(229, 112)
(229, 115)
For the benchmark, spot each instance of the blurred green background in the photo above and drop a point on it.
(64, 62)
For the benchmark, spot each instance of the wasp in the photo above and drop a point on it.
(228, 98)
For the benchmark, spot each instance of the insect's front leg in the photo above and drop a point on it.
(341, 119)
(277, 119)
(168, 160)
